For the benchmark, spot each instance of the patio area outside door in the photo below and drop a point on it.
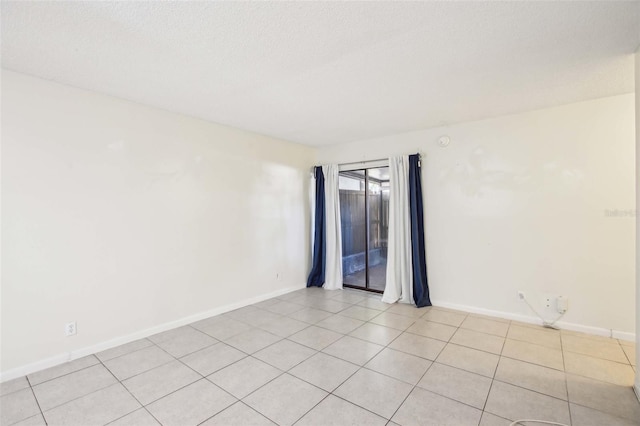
(364, 212)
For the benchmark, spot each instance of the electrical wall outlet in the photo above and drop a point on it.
(562, 304)
(70, 328)
(548, 305)
(521, 295)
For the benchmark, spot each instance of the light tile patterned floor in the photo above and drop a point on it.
(315, 357)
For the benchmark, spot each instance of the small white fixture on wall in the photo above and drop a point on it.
(70, 329)
(444, 141)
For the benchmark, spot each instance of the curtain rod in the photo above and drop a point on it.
(370, 161)
(364, 161)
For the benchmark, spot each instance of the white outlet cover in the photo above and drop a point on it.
(70, 329)
(562, 304)
(548, 309)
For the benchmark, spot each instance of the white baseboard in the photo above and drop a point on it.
(598, 331)
(99, 347)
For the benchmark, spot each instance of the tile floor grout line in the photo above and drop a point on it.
(530, 390)
(228, 337)
(190, 325)
(599, 411)
(400, 380)
(283, 338)
(261, 386)
(504, 343)
(493, 378)
(175, 390)
(294, 366)
(363, 367)
(311, 409)
(466, 329)
(445, 396)
(202, 378)
(369, 341)
(255, 328)
(190, 353)
(359, 406)
(27, 418)
(172, 392)
(283, 373)
(417, 385)
(627, 355)
(474, 349)
(229, 365)
(292, 375)
(484, 332)
(486, 400)
(65, 374)
(270, 344)
(343, 382)
(530, 362)
(410, 392)
(449, 398)
(235, 403)
(132, 395)
(532, 343)
(144, 371)
(581, 375)
(79, 397)
(566, 381)
(246, 355)
(596, 380)
(37, 402)
(17, 390)
(429, 337)
(596, 357)
(324, 347)
(202, 349)
(302, 344)
(126, 353)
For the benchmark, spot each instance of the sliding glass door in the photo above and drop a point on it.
(364, 210)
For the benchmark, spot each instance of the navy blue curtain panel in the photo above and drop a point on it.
(418, 258)
(316, 276)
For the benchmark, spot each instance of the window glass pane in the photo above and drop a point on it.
(378, 204)
(354, 227)
(365, 226)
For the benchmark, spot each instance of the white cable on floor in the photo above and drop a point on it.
(537, 421)
(545, 323)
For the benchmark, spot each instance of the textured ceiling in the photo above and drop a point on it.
(330, 72)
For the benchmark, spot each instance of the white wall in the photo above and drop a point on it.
(637, 384)
(518, 203)
(124, 217)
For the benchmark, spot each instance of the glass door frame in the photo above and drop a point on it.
(366, 287)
